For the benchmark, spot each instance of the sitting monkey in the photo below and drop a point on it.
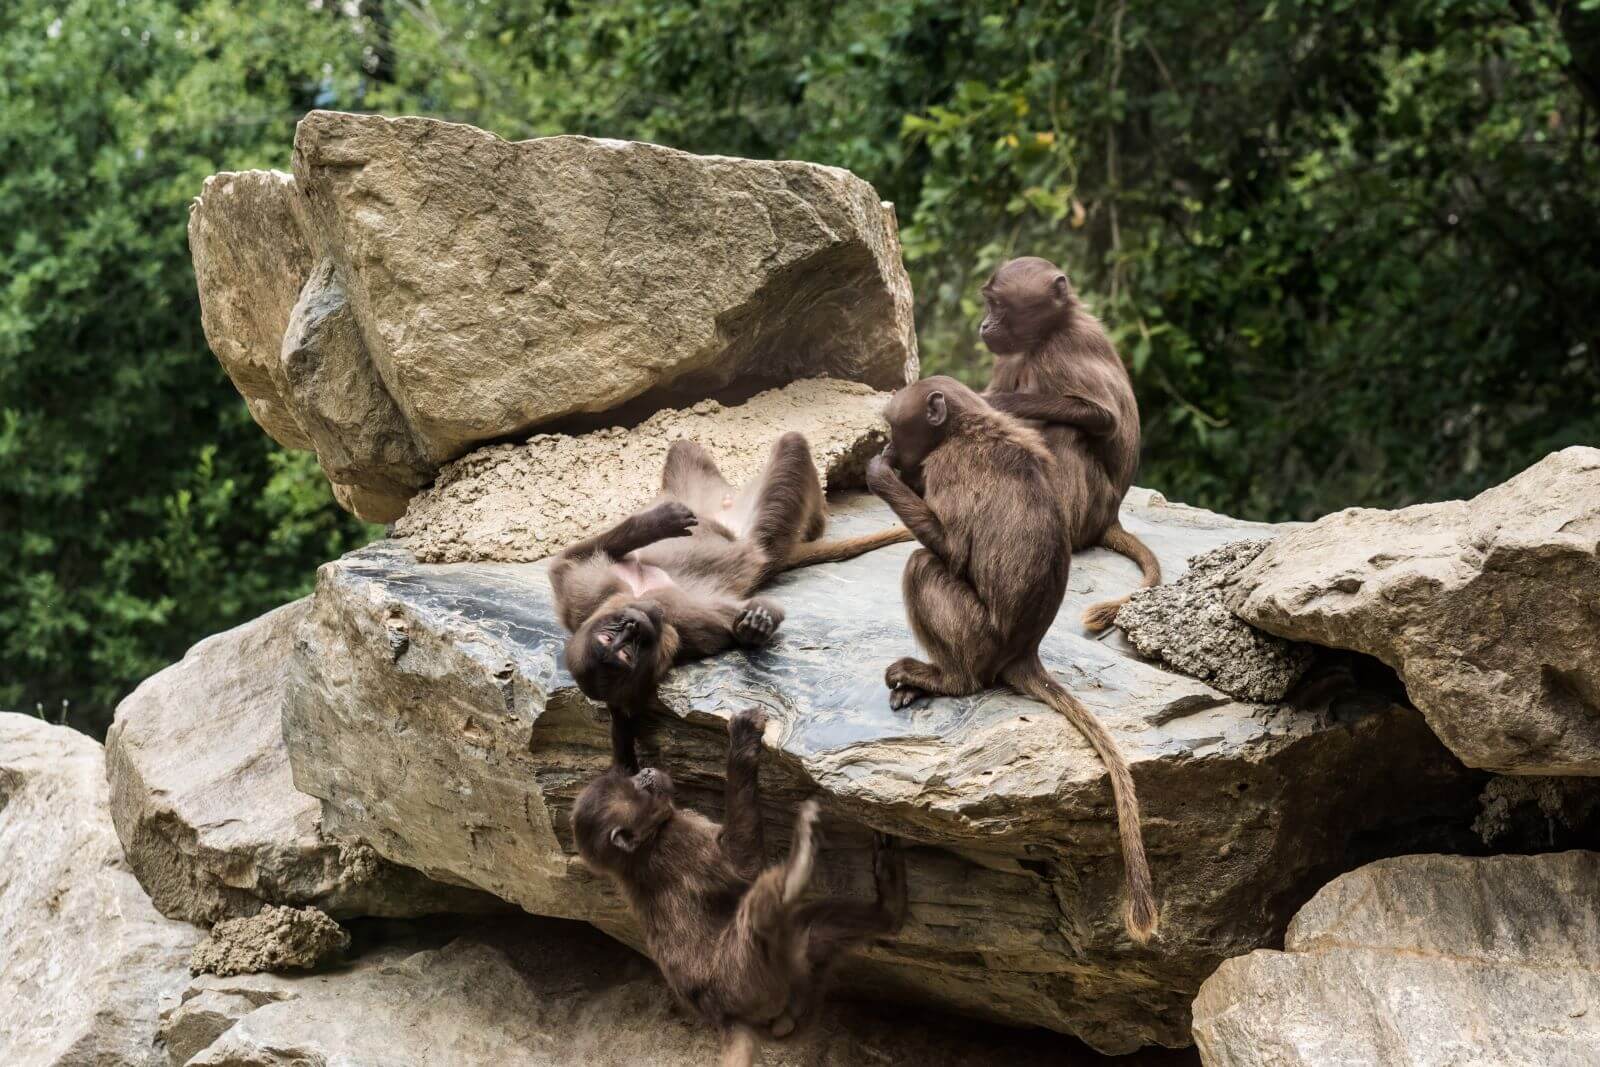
(675, 581)
(983, 589)
(1055, 364)
(733, 941)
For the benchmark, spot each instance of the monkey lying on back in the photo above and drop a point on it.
(1054, 364)
(987, 583)
(732, 939)
(674, 582)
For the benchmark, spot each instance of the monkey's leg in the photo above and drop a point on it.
(949, 621)
(741, 836)
(787, 505)
(691, 476)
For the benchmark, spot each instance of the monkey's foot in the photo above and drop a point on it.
(903, 696)
(757, 623)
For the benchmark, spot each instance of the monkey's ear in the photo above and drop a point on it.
(936, 408)
(1058, 285)
(621, 839)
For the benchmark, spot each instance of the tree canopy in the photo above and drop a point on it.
(1350, 248)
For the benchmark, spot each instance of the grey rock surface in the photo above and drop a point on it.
(539, 993)
(429, 708)
(84, 957)
(419, 288)
(1423, 961)
(1187, 625)
(520, 503)
(1485, 607)
(274, 939)
(205, 805)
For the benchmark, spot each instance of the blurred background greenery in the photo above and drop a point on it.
(1350, 248)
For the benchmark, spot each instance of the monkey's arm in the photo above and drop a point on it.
(911, 508)
(667, 519)
(623, 753)
(1067, 409)
(741, 828)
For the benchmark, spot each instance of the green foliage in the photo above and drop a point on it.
(1349, 247)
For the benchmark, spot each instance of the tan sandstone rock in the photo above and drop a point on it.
(519, 503)
(1427, 961)
(203, 800)
(273, 939)
(428, 706)
(84, 957)
(1488, 608)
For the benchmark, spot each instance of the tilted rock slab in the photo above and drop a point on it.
(84, 957)
(1428, 961)
(428, 707)
(539, 993)
(1488, 609)
(204, 802)
(418, 288)
(520, 503)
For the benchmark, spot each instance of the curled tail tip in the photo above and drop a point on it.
(1101, 616)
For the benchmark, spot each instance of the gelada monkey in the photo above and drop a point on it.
(989, 578)
(675, 581)
(731, 937)
(1055, 365)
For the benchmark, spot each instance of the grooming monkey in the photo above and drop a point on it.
(1055, 365)
(676, 581)
(730, 935)
(987, 582)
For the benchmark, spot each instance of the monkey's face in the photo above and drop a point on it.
(919, 417)
(613, 655)
(618, 815)
(1024, 302)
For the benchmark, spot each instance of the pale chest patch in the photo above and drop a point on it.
(640, 577)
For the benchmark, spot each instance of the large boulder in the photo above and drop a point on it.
(84, 957)
(1486, 608)
(419, 288)
(1430, 961)
(429, 708)
(205, 805)
(520, 503)
(540, 993)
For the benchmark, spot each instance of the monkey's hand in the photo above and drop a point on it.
(671, 519)
(757, 623)
(881, 477)
(745, 728)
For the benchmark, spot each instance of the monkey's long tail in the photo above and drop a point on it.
(806, 553)
(1030, 677)
(1097, 617)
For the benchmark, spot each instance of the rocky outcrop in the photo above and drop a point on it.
(428, 707)
(1422, 960)
(205, 805)
(1480, 605)
(83, 956)
(538, 993)
(419, 288)
(273, 939)
(1186, 624)
(520, 503)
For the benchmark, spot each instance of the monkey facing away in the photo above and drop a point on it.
(731, 936)
(1055, 365)
(983, 589)
(676, 581)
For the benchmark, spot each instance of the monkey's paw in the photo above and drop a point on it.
(673, 519)
(746, 726)
(903, 696)
(880, 474)
(757, 623)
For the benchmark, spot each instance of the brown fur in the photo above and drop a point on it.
(731, 937)
(1055, 365)
(708, 549)
(987, 583)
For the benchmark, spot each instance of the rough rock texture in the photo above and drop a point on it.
(540, 993)
(429, 708)
(1524, 813)
(1485, 607)
(83, 955)
(1422, 960)
(1185, 624)
(519, 503)
(205, 805)
(273, 939)
(461, 289)
(250, 261)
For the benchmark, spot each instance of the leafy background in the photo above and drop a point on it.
(1350, 248)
